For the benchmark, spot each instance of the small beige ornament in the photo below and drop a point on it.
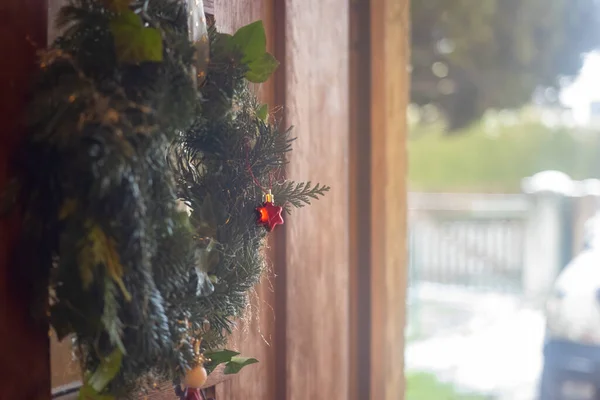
(196, 377)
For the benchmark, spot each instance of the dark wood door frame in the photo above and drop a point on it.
(24, 360)
(379, 98)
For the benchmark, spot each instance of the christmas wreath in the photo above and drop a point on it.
(149, 182)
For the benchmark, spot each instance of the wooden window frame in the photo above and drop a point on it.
(379, 97)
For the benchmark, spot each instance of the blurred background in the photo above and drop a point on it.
(504, 160)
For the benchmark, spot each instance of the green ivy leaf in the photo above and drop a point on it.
(261, 69)
(263, 112)
(237, 363)
(217, 358)
(221, 356)
(107, 370)
(134, 43)
(252, 41)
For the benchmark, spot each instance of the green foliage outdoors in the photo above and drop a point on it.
(480, 161)
(469, 56)
(422, 386)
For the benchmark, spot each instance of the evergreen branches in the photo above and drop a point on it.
(298, 194)
(117, 144)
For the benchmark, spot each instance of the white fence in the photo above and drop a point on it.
(471, 240)
(503, 243)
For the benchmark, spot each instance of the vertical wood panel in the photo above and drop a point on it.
(389, 98)
(317, 253)
(24, 360)
(380, 57)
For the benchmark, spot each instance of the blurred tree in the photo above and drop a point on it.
(469, 56)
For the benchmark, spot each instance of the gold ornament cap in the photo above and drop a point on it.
(269, 198)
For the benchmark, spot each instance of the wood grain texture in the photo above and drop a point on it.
(64, 367)
(254, 338)
(389, 21)
(24, 360)
(209, 7)
(317, 253)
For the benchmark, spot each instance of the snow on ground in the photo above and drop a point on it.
(493, 347)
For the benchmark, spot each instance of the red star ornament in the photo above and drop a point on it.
(269, 215)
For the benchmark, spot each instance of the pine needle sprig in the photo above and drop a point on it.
(298, 194)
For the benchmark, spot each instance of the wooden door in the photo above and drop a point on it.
(327, 322)
(303, 306)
